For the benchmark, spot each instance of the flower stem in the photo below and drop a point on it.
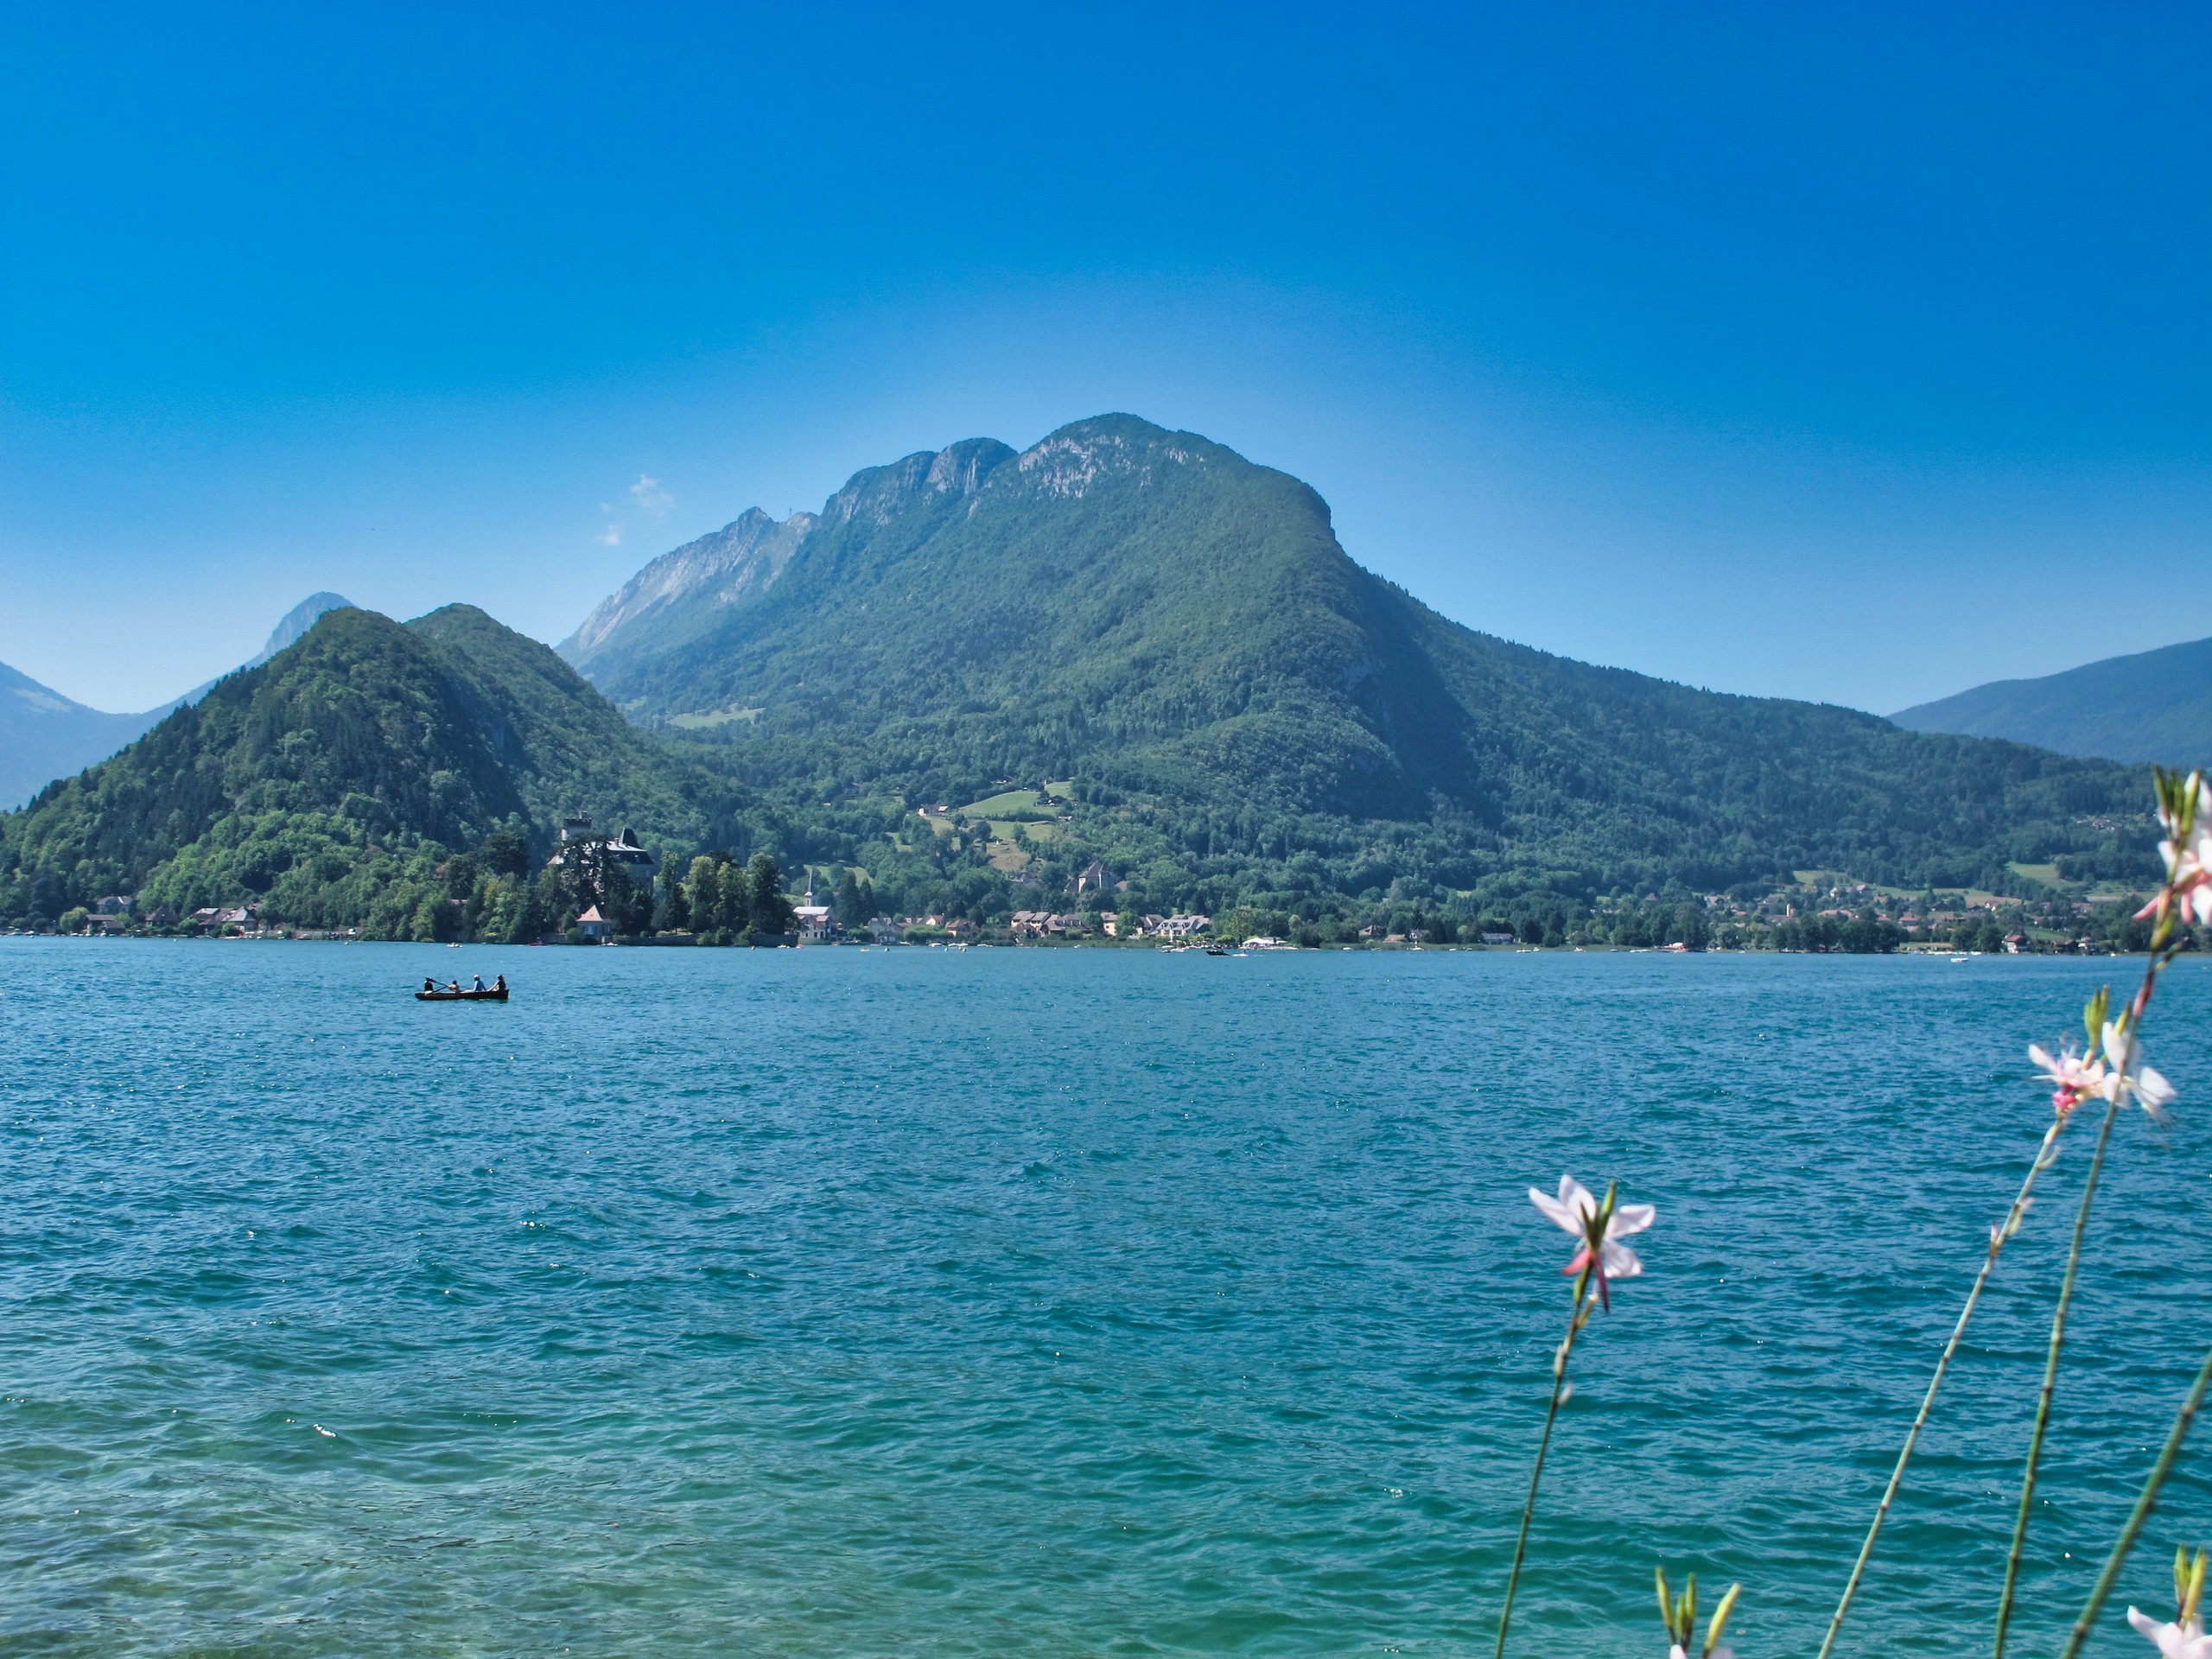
(2051, 1378)
(1996, 1237)
(2164, 948)
(1551, 1415)
(2141, 1513)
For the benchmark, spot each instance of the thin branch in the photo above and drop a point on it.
(2141, 1513)
(2050, 1379)
(1997, 1235)
(1551, 1415)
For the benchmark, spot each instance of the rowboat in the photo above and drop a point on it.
(497, 994)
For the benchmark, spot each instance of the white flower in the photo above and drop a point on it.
(2186, 1640)
(2152, 1091)
(1575, 1212)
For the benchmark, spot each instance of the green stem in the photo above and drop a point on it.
(2051, 1377)
(2141, 1513)
(2164, 948)
(1543, 1446)
(2005, 1230)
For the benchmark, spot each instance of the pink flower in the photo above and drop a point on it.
(1575, 1212)
(2184, 1640)
(2189, 858)
(2076, 1077)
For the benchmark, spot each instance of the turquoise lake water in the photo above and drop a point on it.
(1067, 1302)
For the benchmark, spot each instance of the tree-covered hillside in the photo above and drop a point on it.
(1246, 712)
(338, 782)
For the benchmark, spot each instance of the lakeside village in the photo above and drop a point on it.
(600, 889)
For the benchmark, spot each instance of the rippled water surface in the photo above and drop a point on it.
(1044, 1302)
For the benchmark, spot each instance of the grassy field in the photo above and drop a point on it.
(1018, 806)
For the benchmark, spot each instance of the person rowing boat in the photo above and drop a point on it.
(452, 991)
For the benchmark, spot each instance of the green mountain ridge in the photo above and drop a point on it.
(2152, 705)
(1248, 711)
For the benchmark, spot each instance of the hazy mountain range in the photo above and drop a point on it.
(45, 735)
(1234, 711)
(2155, 705)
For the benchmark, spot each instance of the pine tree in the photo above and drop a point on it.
(852, 911)
(733, 908)
(771, 912)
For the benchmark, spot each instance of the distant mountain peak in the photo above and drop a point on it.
(294, 623)
(41, 698)
(290, 628)
(688, 592)
(1067, 463)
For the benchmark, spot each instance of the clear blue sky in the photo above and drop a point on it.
(1843, 353)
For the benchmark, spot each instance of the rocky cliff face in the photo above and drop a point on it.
(682, 593)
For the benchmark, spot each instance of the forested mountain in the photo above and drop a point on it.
(1245, 712)
(335, 781)
(44, 735)
(2155, 705)
(1125, 658)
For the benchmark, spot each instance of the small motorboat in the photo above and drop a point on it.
(496, 994)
